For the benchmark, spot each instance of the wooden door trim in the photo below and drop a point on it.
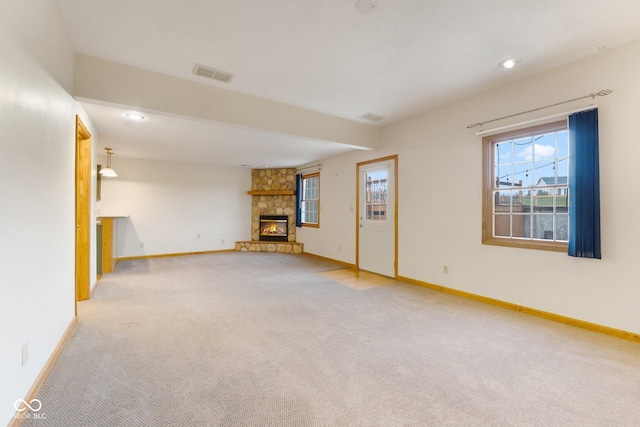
(83, 141)
(395, 209)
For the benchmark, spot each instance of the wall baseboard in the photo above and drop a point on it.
(593, 327)
(131, 258)
(16, 420)
(345, 264)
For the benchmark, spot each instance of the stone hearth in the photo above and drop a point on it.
(280, 247)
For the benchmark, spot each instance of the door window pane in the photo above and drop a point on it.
(376, 196)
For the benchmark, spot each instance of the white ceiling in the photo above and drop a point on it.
(399, 59)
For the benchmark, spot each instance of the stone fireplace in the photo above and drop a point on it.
(272, 195)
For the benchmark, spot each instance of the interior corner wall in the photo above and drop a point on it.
(440, 198)
(37, 191)
(335, 238)
(173, 207)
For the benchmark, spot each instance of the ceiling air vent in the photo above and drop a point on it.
(372, 117)
(212, 73)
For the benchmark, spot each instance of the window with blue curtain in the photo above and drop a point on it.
(542, 187)
(584, 186)
(309, 200)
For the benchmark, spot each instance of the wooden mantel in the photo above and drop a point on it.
(271, 192)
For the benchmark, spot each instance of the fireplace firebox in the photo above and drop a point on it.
(274, 228)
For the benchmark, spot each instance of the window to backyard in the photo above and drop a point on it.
(526, 181)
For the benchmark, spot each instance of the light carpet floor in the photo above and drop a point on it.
(255, 339)
(357, 279)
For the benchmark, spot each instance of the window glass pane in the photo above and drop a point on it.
(523, 174)
(543, 200)
(503, 155)
(562, 227)
(562, 200)
(544, 172)
(523, 150)
(544, 147)
(376, 196)
(563, 144)
(520, 225)
(310, 186)
(502, 226)
(542, 227)
(562, 170)
(522, 201)
(502, 201)
(310, 217)
(504, 176)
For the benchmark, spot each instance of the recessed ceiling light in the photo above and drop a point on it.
(509, 63)
(135, 116)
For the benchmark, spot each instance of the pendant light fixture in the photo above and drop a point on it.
(108, 172)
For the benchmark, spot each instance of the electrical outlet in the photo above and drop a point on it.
(198, 235)
(25, 353)
(339, 248)
(142, 244)
(445, 269)
(222, 241)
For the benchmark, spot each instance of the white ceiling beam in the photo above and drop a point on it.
(118, 84)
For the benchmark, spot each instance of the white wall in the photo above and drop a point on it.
(440, 198)
(169, 203)
(37, 202)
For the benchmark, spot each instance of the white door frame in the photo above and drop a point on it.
(394, 158)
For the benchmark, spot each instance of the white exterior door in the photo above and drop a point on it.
(376, 235)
